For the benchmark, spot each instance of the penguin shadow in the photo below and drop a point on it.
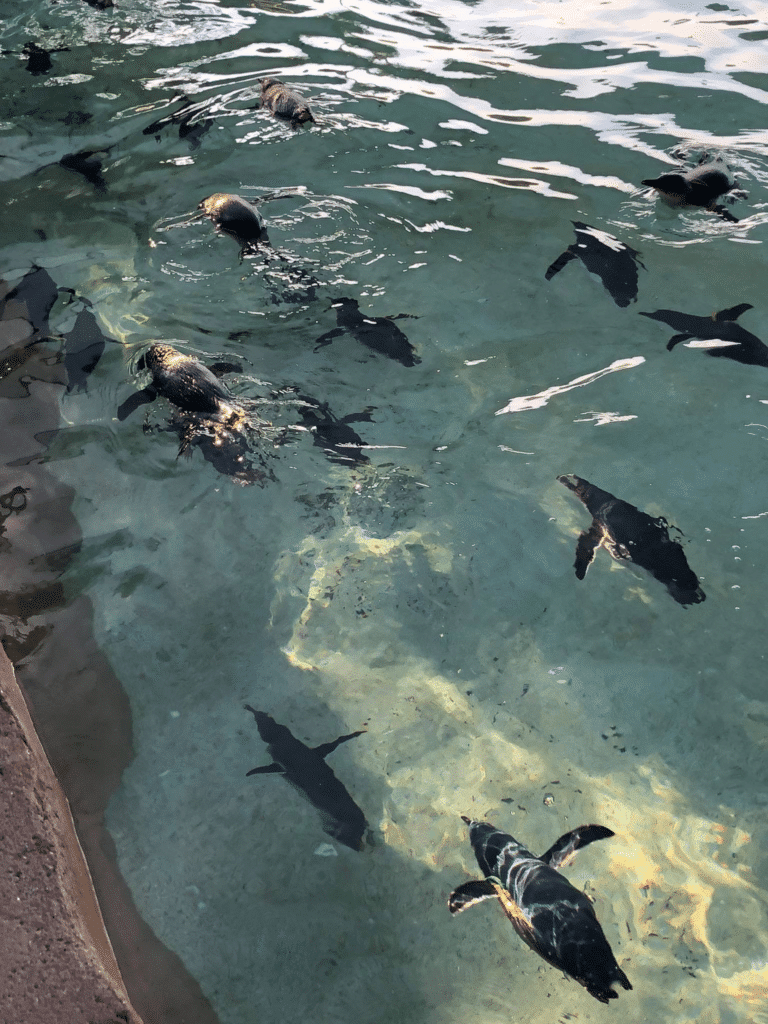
(305, 768)
(24, 326)
(329, 888)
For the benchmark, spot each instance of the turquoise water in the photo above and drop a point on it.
(429, 596)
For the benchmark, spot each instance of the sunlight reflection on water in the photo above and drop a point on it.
(427, 596)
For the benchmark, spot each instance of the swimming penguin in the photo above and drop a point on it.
(305, 769)
(735, 342)
(284, 101)
(602, 254)
(700, 186)
(89, 163)
(549, 914)
(376, 332)
(333, 434)
(631, 535)
(186, 382)
(38, 58)
(207, 416)
(236, 217)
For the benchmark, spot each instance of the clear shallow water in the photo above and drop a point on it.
(429, 597)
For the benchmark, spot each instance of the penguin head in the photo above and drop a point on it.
(669, 184)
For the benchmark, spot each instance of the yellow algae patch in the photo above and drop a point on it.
(693, 914)
(319, 567)
(749, 988)
(632, 863)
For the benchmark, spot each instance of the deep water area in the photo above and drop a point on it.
(444, 319)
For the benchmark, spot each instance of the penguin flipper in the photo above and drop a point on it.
(265, 769)
(586, 546)
(559, 263)
(359, 417)
(721, 211)
(676, 339)
(566, 846)
(143, 397)
(328, 748)
(733, 313)
(221, 368)
(469, 893)
(326, 339)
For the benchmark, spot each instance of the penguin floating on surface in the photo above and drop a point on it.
(236, 217)
(549, 914)
(185, 382)
(207, 415)
(700, 186)
(284, 101)
(630, 535)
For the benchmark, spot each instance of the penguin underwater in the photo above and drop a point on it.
(378, 333)
(549, 914)
(700, 186)
(333, 434)
(737, 342)
(631, 535)
(305, 769)
(605, 255)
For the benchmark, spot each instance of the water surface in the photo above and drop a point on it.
(429, 596)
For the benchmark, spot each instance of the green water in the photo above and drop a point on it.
(429, 596)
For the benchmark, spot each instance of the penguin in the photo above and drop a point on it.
(236, 217)
(89, 163)
(333, 434)
(284, 101)
(614, 262)
(305, 769)
(187, 383)
(549, 914)
(736, 342)
(700, 186)
(206, 414)
(376, 332)
(38, 58)
(631, 535)
(190, 119)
